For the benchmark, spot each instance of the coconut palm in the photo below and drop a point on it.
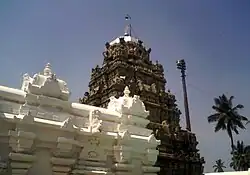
(227, 117)
(219, 165)
(241, 157)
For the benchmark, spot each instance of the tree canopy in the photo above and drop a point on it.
(219, 165)
(241, 157)
(227, 116)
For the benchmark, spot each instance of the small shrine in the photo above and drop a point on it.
(43, 133)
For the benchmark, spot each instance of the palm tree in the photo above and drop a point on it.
(219, 165)
(227, 116)
(241, 157)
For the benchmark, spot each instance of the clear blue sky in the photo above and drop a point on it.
(212, 36)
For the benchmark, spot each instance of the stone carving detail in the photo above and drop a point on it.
(153, 86)
(124, 47)
(26, 80)
(113, 104)
(85, 98)
(140, 85)
(127, 105)
(92, 154)
(29, 118)
(94, 122)
(138, 107)
(166, 127)
(47, 84)
(69, 123)
(93, 140)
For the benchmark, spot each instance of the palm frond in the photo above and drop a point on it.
(220, 125)
(243, 118)
(217, 101)
(247, 149)
(213, 117)
(238, 106)
(219, 109)
(238, 123)
(239, 147)
(217, 128)
(231, 100)
(224, 98)
(235, 130)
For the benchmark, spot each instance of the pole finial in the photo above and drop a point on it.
(127, 31)
(47, 70)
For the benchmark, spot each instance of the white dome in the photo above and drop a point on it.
(126, 39)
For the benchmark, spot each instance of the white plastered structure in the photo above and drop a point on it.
(43, 133)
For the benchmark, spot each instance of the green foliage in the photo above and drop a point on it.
(240, 157)
(227, 117)
(219, 165)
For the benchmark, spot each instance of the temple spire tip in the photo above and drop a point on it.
(128, 27)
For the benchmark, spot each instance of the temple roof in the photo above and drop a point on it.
(127, 38)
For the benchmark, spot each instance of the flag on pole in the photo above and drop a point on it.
(127, 17)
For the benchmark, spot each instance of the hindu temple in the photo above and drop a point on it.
(127, 62)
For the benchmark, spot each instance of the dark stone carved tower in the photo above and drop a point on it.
(127, 63)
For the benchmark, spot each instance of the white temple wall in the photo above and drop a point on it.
(42, 133)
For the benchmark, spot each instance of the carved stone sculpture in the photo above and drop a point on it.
(153, 86)
(69, 123)
(140, 85)
(94, 121)
(166, 127)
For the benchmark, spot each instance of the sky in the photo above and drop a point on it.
(212, 36)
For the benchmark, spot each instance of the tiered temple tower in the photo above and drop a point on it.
(127, 63)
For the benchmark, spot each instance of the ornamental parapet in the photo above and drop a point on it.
(44, 133)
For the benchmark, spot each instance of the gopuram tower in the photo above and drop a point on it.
(127, 63)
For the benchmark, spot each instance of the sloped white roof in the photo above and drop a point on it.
(126, 39)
